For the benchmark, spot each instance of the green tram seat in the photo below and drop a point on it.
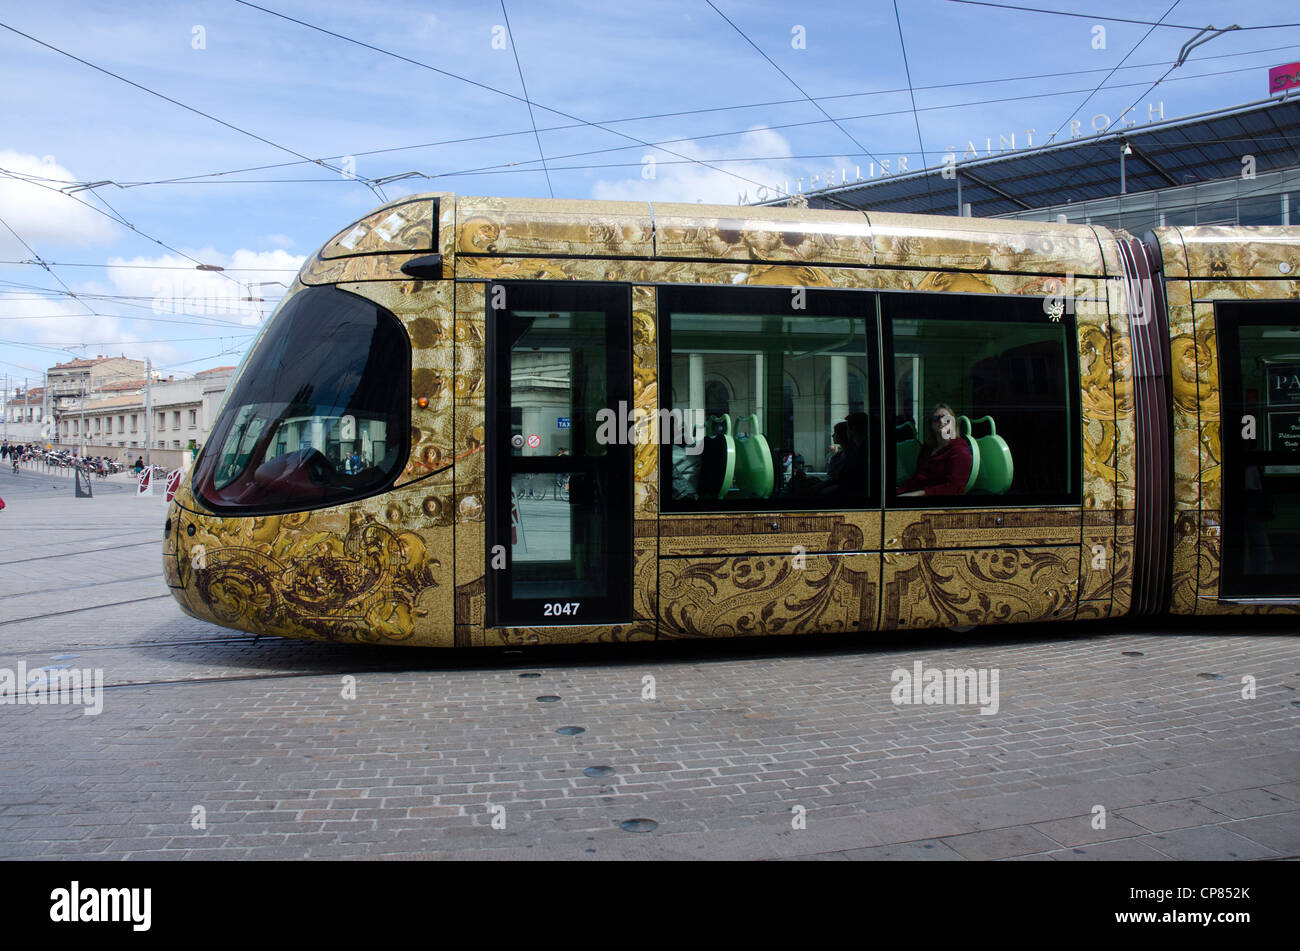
(964, 428)
(907, 453)
(718, 460)
(996, 470)
(754, 472)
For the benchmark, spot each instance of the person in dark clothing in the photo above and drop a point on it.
(849, 482)
(945, 463)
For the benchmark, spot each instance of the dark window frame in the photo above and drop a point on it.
(848, 303)
(966, 308)
(205, 469)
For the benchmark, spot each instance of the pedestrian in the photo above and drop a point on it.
(139, 466)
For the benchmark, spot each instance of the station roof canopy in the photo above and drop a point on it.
(1183, 151)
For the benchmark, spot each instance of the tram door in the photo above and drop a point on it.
(1259, 346)
(559, 460)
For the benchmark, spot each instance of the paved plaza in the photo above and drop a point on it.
(1133, 740)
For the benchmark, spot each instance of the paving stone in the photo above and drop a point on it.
(1246, 803)
(1209, 843)
(1079, 831)
(1164, 816)
(934, 850)
(1281, 834)
(286, 768)
(1000, 843)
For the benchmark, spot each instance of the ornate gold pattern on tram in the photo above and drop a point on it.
(365, 572)
(399, 226)
(768, 594)
(964, 528)
(470, 473)
(1214, 251)
(981, 243)
(739, 274)
(645, 397)
(761, 234)
(506, 226)
(989, 586)
(380, 570)
(745, 534)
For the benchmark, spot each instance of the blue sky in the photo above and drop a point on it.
(63, 123)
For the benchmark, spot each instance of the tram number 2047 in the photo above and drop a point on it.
(561, 609)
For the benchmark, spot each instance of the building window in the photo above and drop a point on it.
(760, 378)
(194, 419)
(983, 396)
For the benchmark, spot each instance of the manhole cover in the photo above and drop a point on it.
(1133, 653)
(638, 825)
(1210, 676)
(598, 771)
(571, 730)
(549, 698)
(528, 676)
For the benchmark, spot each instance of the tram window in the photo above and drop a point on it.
(759, 380)
(1260, 471)
(319, 414)
(982, 396)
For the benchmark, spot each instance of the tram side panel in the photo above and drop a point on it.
(1216, 274)
(1105, 356)
(375, 570)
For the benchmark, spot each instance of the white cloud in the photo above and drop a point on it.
(178, 304)
(40, 213)
(172, 285)
(689, 181)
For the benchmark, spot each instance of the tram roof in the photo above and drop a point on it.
(1199, 148)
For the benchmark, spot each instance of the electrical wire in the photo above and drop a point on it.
(1133, 50)
(473, 82)
(688, 112)
(916, 118)
(1094, 16)
(510, 38)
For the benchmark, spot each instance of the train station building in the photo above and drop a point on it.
(1233, 166)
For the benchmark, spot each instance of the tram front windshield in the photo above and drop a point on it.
(318, 415)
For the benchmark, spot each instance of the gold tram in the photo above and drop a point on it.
(484, 422)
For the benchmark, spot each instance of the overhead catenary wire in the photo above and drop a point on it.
(185, 179)
(1133, 50)
(1096, 16)
(790, 79)
(484, 86)
(510, 38)
(907, 71)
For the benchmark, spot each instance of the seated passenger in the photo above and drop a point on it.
(849, 482)
(945, 462)
(835, 463)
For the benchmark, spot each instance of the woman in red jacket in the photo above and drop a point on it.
(944, 465)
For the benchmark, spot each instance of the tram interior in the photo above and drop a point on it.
(790, 380)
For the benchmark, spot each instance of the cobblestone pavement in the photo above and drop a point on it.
(753, 750)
